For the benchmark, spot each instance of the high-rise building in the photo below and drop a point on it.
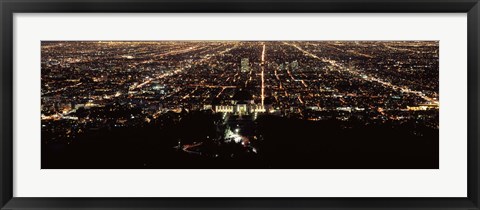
(245, 65)
(294, 65)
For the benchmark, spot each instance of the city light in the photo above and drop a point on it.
(235, 99)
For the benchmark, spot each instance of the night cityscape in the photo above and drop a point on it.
(240, 104)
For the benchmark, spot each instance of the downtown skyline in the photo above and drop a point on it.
(92, 86)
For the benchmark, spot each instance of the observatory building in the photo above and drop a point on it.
(241, 103)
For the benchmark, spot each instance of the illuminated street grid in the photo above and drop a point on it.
(128, 84)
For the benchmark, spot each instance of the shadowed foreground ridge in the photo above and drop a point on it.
(286, 144)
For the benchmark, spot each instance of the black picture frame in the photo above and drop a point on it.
(9, 7)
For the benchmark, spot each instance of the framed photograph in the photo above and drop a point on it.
(202, 104)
